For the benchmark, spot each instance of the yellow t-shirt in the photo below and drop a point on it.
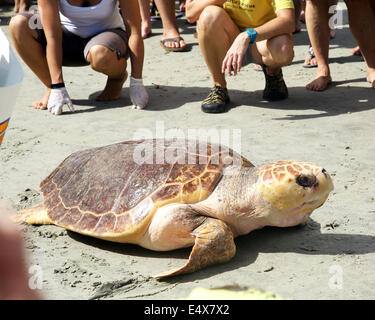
(254, 13)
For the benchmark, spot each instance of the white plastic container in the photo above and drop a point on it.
(11, 76)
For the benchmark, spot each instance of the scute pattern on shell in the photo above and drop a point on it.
(103, 189)
(280, 170)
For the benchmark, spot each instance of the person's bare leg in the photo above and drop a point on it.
(332, 3)
(275, 53)
(14, 278)
(104, 60)
(24, 5)
(182, 5)
(317, 17)
(357, 51)
(216, 33)
(362, 25)
(310, 60)
(32, 53)
(302, 15)
(16, 6)
(297, 11)
(170, 28)
(144, 6)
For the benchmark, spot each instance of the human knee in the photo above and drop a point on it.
(286, 54)
(209, 18)
(100, 57)
(283, 50)
(18, 25)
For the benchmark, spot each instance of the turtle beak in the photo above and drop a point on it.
(324, 171)
(325, 180)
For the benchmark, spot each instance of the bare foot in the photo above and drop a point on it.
(146, 29)
(112, 90)
(371, 77)
(42, 103)
(356, 51)
(321, 83)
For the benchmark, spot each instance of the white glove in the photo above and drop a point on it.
(138, 93)
(57, 99)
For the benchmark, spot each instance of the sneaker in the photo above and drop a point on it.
(217, 101)
(276, 88)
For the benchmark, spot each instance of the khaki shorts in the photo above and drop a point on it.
(76, 49)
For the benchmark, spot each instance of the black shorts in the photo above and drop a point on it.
(76, 49)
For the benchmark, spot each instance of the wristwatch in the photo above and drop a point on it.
(252, 34)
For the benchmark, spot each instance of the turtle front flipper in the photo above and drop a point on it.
(213, 244)
(33, 215)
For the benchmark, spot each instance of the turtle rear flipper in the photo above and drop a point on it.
(213, 244)
(33, 215)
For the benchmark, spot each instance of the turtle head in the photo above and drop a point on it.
(292, 190)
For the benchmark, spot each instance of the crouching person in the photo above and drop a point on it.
(234, 33)
(78, 33)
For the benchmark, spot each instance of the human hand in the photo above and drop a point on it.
(138, 94)
(57, 99)
(233, 58)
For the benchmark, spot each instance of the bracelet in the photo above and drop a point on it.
(57, 85)
(251, 32)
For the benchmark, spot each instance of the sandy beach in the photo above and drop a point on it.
(333, 257)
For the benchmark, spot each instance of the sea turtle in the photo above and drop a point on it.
(169, 194)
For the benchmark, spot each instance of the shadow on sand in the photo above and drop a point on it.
(346, 100)
(307, 240)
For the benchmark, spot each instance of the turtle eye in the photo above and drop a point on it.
(306, 181)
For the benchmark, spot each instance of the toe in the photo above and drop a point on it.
(37, 104)
(182, 44)
(169, 44)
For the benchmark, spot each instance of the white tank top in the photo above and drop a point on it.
(88, 21)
